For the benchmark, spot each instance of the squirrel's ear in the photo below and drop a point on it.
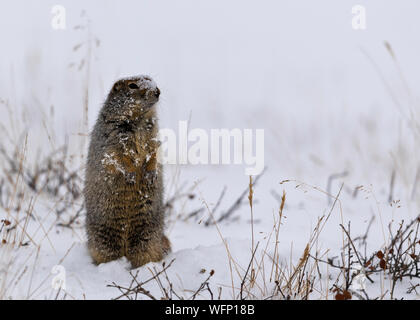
(117, 86)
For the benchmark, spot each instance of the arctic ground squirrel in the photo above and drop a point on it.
(124, 186)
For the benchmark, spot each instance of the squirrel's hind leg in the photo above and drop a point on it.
(154, 251)
(103, 254)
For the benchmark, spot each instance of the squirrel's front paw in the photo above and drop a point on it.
(151, 175)
(130, 177)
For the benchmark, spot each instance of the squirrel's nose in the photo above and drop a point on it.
(157, 92)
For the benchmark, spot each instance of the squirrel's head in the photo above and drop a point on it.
(130, 99)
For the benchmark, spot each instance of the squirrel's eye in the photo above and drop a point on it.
(133, 86)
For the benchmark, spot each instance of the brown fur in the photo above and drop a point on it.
(124, 186)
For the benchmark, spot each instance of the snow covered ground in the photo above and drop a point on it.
(336, 104)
